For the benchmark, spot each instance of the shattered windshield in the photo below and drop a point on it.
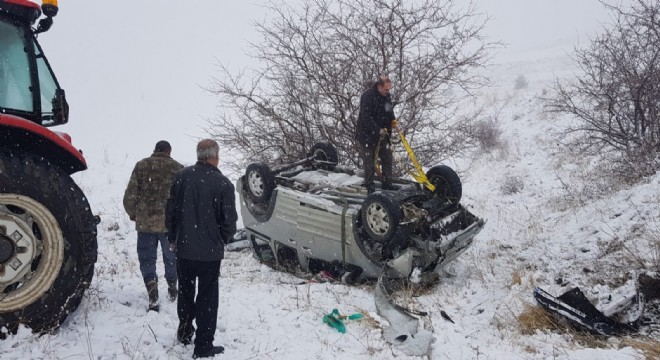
(14, 69)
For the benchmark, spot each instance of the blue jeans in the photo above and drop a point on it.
(147, 247)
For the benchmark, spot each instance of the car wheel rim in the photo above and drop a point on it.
(320, 155)
(377, 219)
(32, 251)
(256, 183)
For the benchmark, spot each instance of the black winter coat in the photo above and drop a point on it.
(375, 113)
(201, 213)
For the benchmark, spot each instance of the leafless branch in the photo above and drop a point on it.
(317, 58)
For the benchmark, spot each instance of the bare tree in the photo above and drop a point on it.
(317, 58)
(617, 98)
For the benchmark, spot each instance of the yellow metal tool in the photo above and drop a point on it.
(417, 173)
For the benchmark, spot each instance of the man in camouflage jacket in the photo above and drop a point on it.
(144, 201)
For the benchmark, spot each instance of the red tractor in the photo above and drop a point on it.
(47, 230)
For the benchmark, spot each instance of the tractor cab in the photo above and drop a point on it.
(28, 86)
(48, 244)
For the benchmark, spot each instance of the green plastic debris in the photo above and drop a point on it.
(356, 316)
(336, 320)
(333, 320)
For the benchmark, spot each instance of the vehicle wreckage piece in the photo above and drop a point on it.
(405, 331)
(574, 306)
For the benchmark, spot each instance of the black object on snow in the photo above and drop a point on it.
(575, 307)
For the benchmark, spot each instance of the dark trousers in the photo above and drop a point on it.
(368, 158)
(204, 308)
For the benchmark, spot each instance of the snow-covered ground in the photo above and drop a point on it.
(550, 222)
(545, 228)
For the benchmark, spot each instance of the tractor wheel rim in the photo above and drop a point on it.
(38, 251)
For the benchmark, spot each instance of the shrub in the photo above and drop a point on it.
(520, 83)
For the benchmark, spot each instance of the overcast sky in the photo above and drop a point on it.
(527, 25)
(134, 70)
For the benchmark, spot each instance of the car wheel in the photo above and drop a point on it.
(447, 183)
(326, 153)
(259, 181)
(381, 216)
(47, 243)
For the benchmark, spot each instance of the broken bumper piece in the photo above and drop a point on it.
(575, 307)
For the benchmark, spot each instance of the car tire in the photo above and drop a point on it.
(381, 216)
(447, 183)
(326, 152)
(259, 182)
(45, 214)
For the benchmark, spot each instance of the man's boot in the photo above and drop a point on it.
(171, 290)
(152, 291)
(185, 332)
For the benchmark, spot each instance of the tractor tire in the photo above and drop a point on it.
(447, 183)
(48, 244)
(259, 182)
(326, 153)
(381, 216)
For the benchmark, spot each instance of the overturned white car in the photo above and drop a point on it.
(316, 215)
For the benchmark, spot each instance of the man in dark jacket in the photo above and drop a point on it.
(144, 201)
(374, 126)
(201, 218)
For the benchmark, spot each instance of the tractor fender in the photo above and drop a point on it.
(18, 134)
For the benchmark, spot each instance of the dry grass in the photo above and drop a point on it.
(512, 185)
(650, 347)
(535, 318)
(516, 278)
(367, 320)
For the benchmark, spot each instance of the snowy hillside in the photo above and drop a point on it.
(547, 225)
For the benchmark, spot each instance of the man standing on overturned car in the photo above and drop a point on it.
(201, 217)
(374, 126)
